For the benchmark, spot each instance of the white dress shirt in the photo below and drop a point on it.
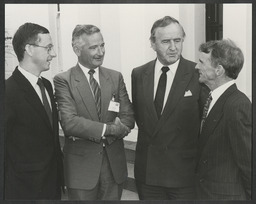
(95, 75)
(216, 93)
(170, 76)
(33, 81)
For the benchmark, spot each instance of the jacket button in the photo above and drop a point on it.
(205, 161)
(201, 180)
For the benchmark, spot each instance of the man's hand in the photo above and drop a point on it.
(119, 123)
(117, 129)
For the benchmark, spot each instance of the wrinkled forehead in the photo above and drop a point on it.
(172, 30)
(205, 56)
(93, 39)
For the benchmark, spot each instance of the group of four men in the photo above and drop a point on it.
(194, 125)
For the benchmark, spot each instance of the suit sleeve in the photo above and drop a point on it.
(126, 113)
(9, 119)
(134, 99)
(72, 123)
(240, 135)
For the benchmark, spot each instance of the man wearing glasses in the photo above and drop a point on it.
(33, 158)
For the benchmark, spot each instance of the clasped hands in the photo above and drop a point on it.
(117, 129)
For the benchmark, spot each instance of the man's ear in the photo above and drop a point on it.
(77, 51)
(153, 45)
(220, 70)
(29, 49)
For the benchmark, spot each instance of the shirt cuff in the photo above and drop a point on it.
(103, 131)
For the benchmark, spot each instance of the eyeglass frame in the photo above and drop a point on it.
(49, 48)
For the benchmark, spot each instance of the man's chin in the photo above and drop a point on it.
(46, 68)
(201, 80)
(173, 59)
(97, 64)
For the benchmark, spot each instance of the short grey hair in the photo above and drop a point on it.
(79, 31)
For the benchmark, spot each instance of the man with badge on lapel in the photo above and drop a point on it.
(166, 98)
(224, 151)
(33, 158)
(95, 114)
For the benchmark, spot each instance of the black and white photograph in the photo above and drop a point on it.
(128, 102)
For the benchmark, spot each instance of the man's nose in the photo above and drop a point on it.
(172, 45)
(53, 53)
(100, 51)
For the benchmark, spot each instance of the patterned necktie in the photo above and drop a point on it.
(160, 92)
(45, 100)
(205, 111)
(96, 91)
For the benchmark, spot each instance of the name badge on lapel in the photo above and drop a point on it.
(114, 106)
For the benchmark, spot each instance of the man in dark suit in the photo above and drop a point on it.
(96, 114)
(224, 152)
(167, 115)
(33, 158)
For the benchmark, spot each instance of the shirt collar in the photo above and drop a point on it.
(216, 93)
(30, 77)
(86, 70)
(173, 67)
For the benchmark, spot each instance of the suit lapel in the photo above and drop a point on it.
(85, 92)
(214, 117)
(180, 82)
(182, 78)
(106, 92)
(31, 96)
(148, 89)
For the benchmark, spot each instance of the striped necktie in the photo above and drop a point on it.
(96, 91)
(205, 110)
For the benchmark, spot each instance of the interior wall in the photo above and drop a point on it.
(240, 16)
(26, 13)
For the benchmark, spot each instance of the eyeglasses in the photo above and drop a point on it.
(49, 48)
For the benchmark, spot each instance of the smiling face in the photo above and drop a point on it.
(168, 43)
(42, 52)
(91, 53)
(207, 73)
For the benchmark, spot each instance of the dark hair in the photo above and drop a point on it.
(83, 29)
(163, 22)
(26, 34)
(225, 53)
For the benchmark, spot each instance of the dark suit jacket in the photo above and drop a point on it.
(166, 148)
(79, 118)
(224, 153)
(33, 158)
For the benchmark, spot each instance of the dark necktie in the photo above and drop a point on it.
(45, 100)
(205, 110)
(96, 91)
(160, 92)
